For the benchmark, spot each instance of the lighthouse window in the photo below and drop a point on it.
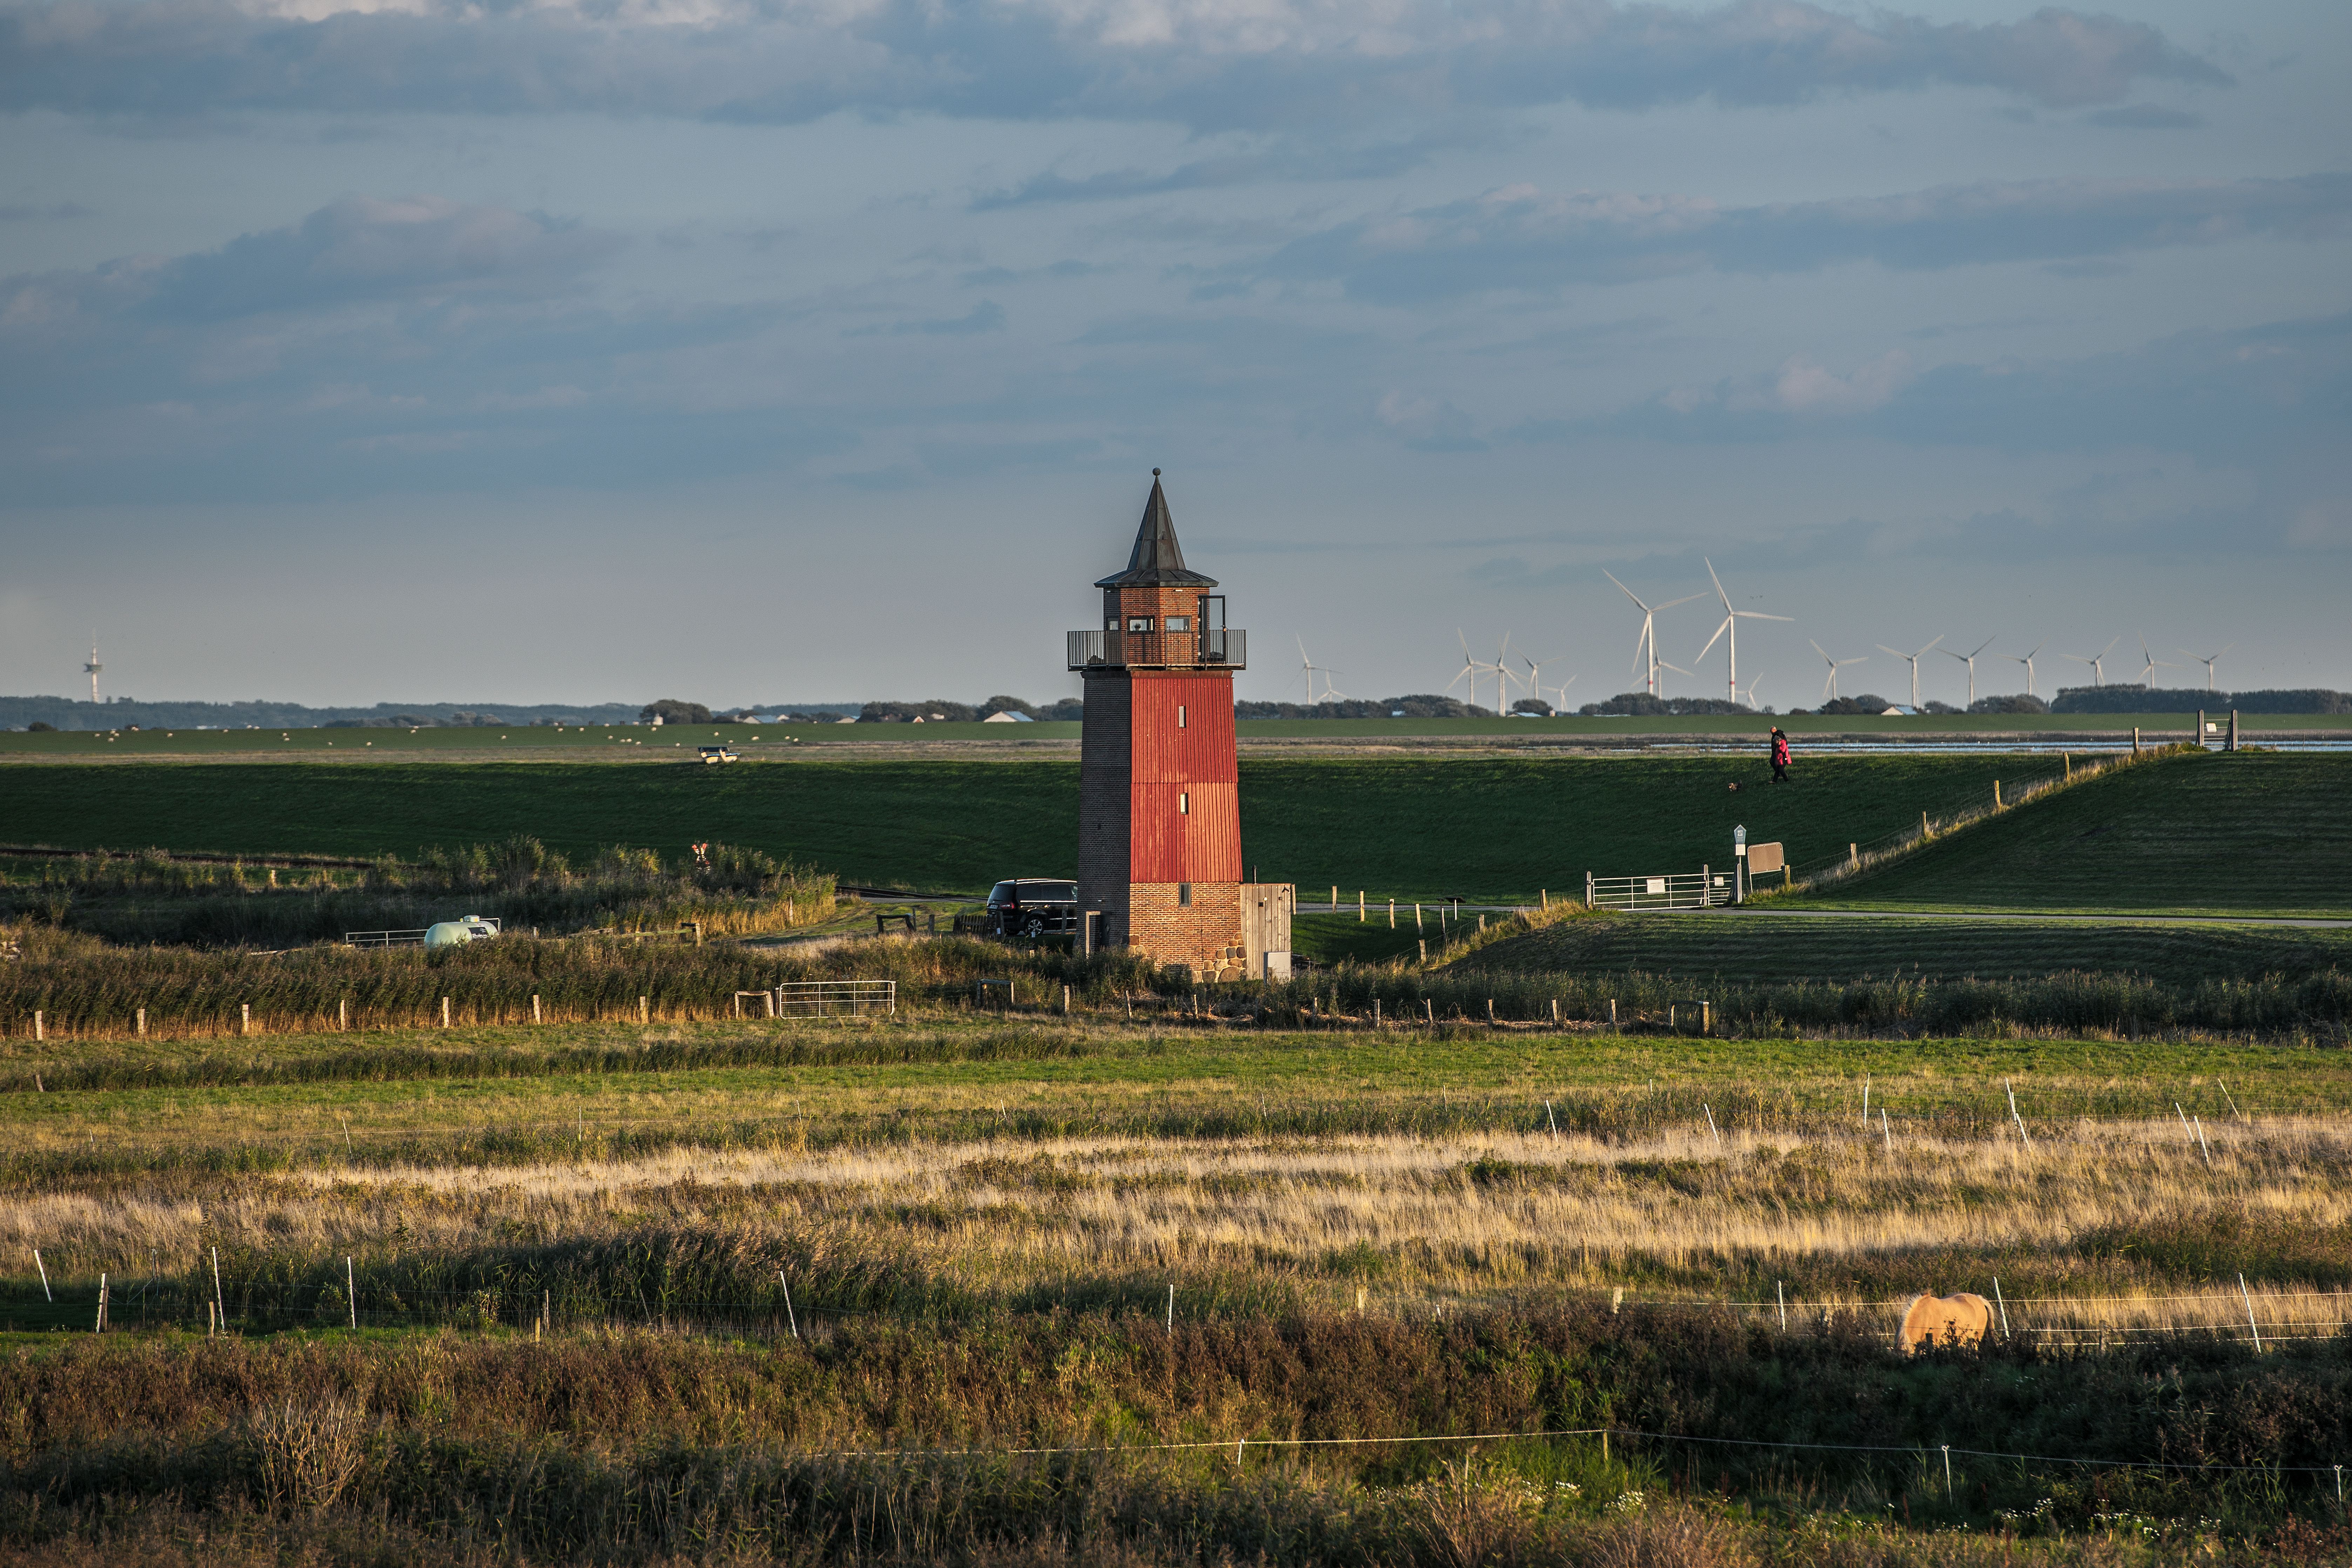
(1183, 895)
(1180, 715)
(1184, 805)
(1138, 622)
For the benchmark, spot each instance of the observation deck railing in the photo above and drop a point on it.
(1225, 647)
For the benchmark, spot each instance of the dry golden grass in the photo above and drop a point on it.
(1406, 1220)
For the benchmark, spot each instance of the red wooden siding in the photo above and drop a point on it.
(1168, 845)
(1200, 748)
(1169, 761)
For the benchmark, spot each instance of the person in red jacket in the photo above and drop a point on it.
(1780, 756)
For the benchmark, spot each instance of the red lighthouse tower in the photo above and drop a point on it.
(1160, 841)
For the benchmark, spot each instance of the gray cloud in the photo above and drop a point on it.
(1293, 160)
(373, 346)
(2271, 402)
(2145, 116)
(988, 316)
(1289, 62)
(359, 248)
(1525, 239)
(352, 251)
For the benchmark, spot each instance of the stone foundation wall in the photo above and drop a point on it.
(1205, 936)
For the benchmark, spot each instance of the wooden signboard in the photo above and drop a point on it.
(1763, 858)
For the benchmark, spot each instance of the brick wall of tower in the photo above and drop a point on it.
(1158, 602)
(1206, 937)
(1106, 778)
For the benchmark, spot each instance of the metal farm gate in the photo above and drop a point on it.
(1705, 889)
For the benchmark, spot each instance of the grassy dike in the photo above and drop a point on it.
(1486, 826)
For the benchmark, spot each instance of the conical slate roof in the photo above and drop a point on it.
(1157, 561)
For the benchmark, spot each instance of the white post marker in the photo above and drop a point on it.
(1172, 1311)
(1866, 1102)
(790, 1316)
(2199, 1123)
(1550, 1120)
(1710, 1124)
(2188, 1130)
(1781, 1294)
(1887, 1128)
(1948, 1472)
(43, 1267)
(2014, 1116)
(2002, 1305)
(352, 1292)
(2250, 1325)
(220, 1303)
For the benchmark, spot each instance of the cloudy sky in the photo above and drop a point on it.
(795, 350)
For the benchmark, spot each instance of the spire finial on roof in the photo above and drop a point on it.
(1157, 561)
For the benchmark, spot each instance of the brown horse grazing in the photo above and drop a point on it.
(1961, 1319)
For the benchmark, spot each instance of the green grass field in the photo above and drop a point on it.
(1755, 945)
(2199, 833)
(638, 743)
(1484, 828)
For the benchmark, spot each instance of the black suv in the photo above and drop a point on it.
(1030, 906)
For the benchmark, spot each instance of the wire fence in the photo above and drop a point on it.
(1955, 811)
(270, 1296)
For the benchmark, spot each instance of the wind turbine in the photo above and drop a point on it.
(1731, 619)
(1534, 682)
(1970, 660)
(1310, 669)
(2027, 660)
(1829, 687)
(2098, 674)
(1645, 646)
(1915, 659)
(1503, 676)
(92, 668)
(2207, 660)
(2151, 665)
(1753, 682)
(1474, 666)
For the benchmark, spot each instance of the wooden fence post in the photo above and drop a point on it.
(534, 1007)
(142, 1020)
(644, 1010)
(445, 1012)
(244, 1017)
(343, 1012)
